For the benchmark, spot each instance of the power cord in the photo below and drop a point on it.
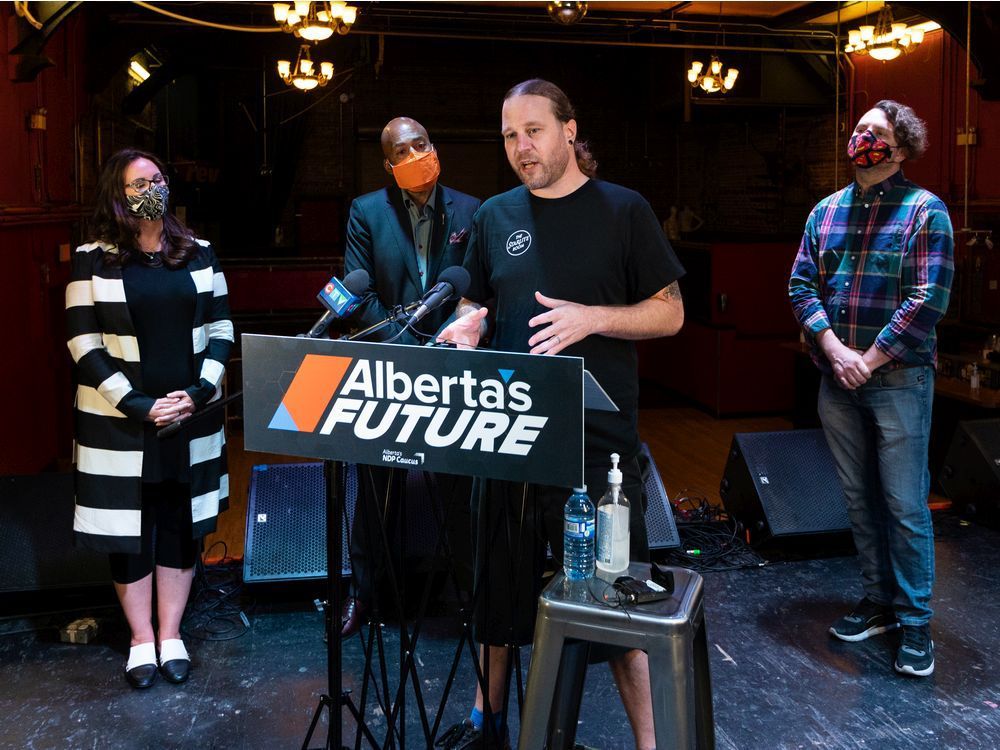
(713, 546)
(215, 612)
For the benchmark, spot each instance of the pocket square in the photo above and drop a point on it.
(457, 237)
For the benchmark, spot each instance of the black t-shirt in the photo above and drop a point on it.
(600, 245)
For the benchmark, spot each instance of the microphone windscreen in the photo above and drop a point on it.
(356, 282)
(459, 279)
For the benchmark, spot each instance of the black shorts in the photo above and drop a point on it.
(514, 521)
(166, 534)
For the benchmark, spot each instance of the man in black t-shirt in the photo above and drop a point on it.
(577, 266)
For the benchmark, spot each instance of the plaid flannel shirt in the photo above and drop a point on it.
(876, 266)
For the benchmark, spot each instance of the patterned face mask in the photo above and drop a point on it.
(866, 150)
(149, 205)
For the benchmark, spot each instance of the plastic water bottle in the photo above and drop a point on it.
(612, 524)
(578, 536)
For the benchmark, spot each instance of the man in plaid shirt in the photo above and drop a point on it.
(870, 282)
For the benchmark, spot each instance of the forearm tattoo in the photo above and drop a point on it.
(671, 292)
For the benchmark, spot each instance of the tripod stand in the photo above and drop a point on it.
(335, 697)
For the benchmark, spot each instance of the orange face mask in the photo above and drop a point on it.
(419, 172)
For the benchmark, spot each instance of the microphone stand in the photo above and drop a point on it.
(332, 472)
(398, 314)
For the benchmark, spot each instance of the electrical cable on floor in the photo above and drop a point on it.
(215, 612)
(710, 540)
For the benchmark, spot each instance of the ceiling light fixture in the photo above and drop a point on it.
(886, 40)
(711, 80)
(137, 71)
(304, 75)
(315, 21)
(567, 12)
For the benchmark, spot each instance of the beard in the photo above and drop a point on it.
(545, 172)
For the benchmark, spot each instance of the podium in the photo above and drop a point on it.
(498, 415)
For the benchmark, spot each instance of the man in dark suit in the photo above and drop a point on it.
(403, 236)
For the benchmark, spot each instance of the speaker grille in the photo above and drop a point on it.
(286, 522)
(660, 526)
(784, 484)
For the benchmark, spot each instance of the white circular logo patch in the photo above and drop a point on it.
(518, 243)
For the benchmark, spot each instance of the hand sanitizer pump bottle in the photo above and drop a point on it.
(612, 524)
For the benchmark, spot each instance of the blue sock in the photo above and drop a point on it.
(476, 717)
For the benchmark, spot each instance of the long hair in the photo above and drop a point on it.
(115, 224)
(562, 108)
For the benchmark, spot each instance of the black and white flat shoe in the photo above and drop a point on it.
(175, 664)
(140, 671)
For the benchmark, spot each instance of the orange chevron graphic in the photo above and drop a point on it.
(314, 384)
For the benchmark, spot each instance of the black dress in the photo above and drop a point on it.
(162, 302)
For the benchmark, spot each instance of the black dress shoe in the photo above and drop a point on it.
(352, 616)
(176, 670)
(141, 677)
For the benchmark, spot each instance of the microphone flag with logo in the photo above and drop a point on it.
(341, 298)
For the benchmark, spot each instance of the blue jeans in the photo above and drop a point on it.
(878, 435)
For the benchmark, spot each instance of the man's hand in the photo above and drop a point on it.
(850, 369)
(565, 323)
(849, 366)
(875, 358)
(465, 331)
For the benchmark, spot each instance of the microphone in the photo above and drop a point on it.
(341, 298)
(452, 284)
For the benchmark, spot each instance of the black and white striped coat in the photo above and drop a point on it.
(110, 406)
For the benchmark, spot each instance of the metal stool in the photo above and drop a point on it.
(671, 632)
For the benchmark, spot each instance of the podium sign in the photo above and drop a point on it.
(491, 414)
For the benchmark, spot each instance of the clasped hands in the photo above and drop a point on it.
(850, 368)
(175, 406)
(563, 324)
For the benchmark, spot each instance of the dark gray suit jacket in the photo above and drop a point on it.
(380, 240)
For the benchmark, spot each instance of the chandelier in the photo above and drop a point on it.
(884, 41)
(712, 80)
(304, 74)
(315, 21)
(566, 12)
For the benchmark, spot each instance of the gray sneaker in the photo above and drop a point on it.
(916, 652)
(867, 619)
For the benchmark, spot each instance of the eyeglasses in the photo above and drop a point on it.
(141, 184)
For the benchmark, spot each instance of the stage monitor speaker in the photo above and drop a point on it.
(660, 526)
(783, 486)
(286, 521)
(971, 472)
(36, 537)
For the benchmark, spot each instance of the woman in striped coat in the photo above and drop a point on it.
(149, 331)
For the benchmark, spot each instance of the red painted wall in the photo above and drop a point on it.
(37, 215)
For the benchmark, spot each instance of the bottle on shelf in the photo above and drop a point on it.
(578, 536)
(612, 524)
